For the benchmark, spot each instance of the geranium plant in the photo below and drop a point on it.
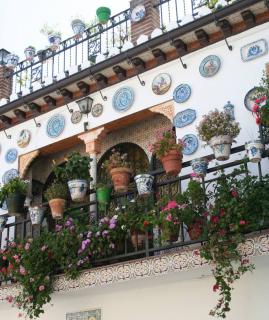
(217, 123)
(261, 106)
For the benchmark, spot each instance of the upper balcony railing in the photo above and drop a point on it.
(99, 42)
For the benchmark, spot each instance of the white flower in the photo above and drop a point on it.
(117, 209)
(115, 217)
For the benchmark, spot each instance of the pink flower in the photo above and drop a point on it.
(22, 270)
(255, 108)
(245, 261)
(41, 288)
(215, 287)
(206, 214)
(19, 315)
(27, 246)
(44, 248)
(242, 222)
(196, 252)
(215, 219)
(169, 217)
(9, 299)
(4, 258)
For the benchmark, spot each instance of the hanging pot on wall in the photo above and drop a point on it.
(144, 183)
(36, 214)
(29, 53)
(15, 204)
(103, 14)
(199, 166)
(172, 162)
(78, 189)
(103, 195)
(12, 60)
(121, 178)
(221, 146)
(57, 207)
(78, 27)
(254, 150)
(54, 41)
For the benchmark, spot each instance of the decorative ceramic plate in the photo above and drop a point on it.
(182, 93)
(11, 155)
(24, 138)
(97, 110)
(55, 126)
(210, 66)
(191, 144)
(123, 99)
(76, 117)
(10, 174)
(161, 83)
(254, 50)
(138, 13)
(184, 118)
(250, 97)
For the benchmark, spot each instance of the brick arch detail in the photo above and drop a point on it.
(25, 161)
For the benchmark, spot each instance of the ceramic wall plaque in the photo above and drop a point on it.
(97, 110)
(10, 174)
(229, 108)
(11, 155)
(138, 13)
(85, 315)
(209, 66)
(161, 83)
(24, 138)
(76, 117)
(55, 125)
(250, 97)
(184, 118)
(254, 50)
(123, 99)
(182, 93)
(191, 144)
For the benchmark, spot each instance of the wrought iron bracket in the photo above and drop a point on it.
(70, 110)
(8, 136)
(37, 124)
(100, 91)
(181, 49)
(129, 61)
(226, 29)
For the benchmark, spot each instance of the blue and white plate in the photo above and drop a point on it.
(11, 155)
(55, 125)
(250, 98)
(10, 174)
(123, 99)
(191, 144)
(182, 93)
(184, 118)
(209, 66)
(138, 13)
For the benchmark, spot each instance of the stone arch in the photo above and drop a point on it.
(25, 161)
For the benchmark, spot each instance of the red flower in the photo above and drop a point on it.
(4, 270)
(146, 223)
(215, 287)
(258, 120)
(234, 193)
(256, 108)
(222, 212)
(222, 232)
(196, 252)
(245, 261)
(242, 222)
(215, 219)
(206, 214)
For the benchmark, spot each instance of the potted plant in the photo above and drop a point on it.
(199, 166)
(36, 214)
(103, 194)
(12, 60)
(30, 53)
(77, 170)
(14, 193)
(119, 169)
(254, 150)
(168, 150)
(144, 183)
(78, 26)
(218, 130)
(103, 14)
(56, 195)
(54, 36)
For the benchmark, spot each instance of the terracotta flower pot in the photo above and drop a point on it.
(57, 207)
(172, 162)
(121, 178)
(138, 240)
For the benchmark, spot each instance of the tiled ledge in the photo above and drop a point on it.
(179, 260)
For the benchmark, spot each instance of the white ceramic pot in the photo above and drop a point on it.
(12, 60)
(55, 41)
(29, 53)
(36, 214)
(221, 146)
(78, 27)
(254, 150)
(144, 183)
(199, 166)
(3, 222)
(78, 189)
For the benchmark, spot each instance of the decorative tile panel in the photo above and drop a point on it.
(254, 50)
(85, 315)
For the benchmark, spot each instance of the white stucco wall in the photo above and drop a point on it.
(182, 295)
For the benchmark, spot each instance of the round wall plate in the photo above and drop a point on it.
(138, 13)
(250, 98)
(11, 155)
(9, 174)
(76, 117)
(209, 66)
(24, 138)
(182, 93)
(161, 83)
(123, 99)
(190, 144)
(55, 125)
(97, 110)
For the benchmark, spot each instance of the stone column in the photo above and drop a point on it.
(92, 140)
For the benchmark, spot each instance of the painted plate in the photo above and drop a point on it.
(138, 13)
(76, 117)
(11, 155)
(161, 83)
(97, 110)
(24, 138)
(182, 93)
(250, 97)
(184, 118)
(123, 99)
(10, 174)
(55, 125)
(210, 66)
(191, 144)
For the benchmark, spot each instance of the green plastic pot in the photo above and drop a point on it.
(15, 204)
(103, 196)
(103, 14)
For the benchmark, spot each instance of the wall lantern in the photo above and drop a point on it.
(3, 55)
(85, 107)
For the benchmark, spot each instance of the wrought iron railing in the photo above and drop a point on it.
(75, 54)
(163, 185)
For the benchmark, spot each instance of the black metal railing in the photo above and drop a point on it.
(74, 54)
(163, 185)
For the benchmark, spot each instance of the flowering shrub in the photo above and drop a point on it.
(217, 123)
(116, 160)
(261, 106)
(166, 141)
